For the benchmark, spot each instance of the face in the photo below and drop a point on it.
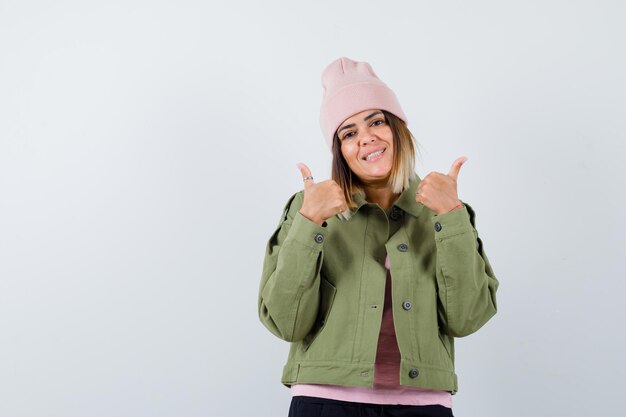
(367, 146)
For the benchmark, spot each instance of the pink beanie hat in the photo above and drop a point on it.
(351, 87)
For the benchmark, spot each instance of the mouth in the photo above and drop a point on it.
(373, 156)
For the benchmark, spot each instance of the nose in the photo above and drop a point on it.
(367, 137)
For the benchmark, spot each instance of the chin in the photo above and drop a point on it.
(375, 178)
(379, 174)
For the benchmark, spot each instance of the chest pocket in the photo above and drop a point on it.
(327, 296)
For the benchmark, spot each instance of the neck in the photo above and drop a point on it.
(380, 194)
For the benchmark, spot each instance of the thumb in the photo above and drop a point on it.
(456, 167)
(306, 173)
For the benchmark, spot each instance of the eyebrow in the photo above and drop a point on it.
(366, 118)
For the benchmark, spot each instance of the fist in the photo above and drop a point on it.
(321, 200)
(438, 191)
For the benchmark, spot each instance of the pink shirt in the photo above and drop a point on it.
(387, 388)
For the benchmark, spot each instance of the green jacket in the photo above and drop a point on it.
(323, 290)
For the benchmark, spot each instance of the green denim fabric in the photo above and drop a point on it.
(323, 289)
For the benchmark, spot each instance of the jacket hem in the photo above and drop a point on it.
(362, 375)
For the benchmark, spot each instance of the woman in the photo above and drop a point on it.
(371, 275)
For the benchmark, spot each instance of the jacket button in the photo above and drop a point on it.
(407, 305)
(319, 238)
(403, 247)
(413, 373)
(437, 226)
(395, 213)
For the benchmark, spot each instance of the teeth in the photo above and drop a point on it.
(374, 154)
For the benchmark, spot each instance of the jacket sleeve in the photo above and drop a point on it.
(289, 293)
(466, 283)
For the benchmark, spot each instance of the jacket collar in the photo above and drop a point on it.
(406, 200)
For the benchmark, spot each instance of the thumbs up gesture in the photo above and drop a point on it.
(438, 191)
(321, 200)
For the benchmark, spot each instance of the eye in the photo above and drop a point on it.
(348, 135)
(378, 122)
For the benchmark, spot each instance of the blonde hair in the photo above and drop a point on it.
(402, 169)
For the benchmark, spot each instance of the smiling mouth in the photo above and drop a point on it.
(374, 154)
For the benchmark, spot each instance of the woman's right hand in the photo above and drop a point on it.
(321, 200)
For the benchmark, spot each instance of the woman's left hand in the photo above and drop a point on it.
(437, 191)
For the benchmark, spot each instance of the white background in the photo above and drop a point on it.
(147, 149)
